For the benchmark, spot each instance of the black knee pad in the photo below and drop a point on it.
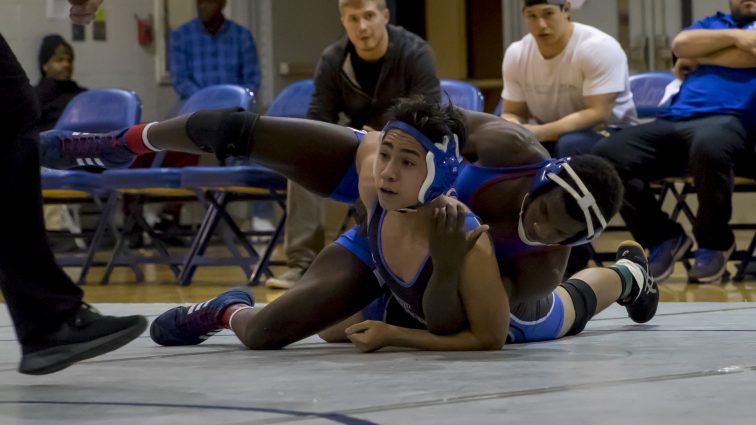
(584, 300)
(224, 132)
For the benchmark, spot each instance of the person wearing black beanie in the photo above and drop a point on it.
(55, 88)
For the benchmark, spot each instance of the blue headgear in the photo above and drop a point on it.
(545, 179)
(443, 160)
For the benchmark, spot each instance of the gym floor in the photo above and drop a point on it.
(692, 364)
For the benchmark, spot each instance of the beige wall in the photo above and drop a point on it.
(117, 62)
(446, 33)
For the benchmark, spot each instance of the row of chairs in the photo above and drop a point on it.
(103, 110)
(214, 187)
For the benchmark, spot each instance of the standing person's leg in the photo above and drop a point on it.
(304, 234)
(715, 144)
(38, 293)
(46, 306)
(641, 155)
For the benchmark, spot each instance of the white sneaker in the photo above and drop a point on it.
(287, 279)
(260, 224)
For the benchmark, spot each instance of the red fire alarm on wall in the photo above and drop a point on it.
(145, 32)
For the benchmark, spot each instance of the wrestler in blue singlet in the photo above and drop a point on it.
(401, 305)
(407, 295)
(473, 179)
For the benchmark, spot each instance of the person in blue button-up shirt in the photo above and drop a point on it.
(707, 132)
(212, 50)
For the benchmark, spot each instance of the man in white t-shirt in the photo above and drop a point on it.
(566, 82)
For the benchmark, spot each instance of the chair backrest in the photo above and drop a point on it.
(100, 111)
(219, 96)
(463, 95)
(499, 107)
(293, 101)
(648, 91)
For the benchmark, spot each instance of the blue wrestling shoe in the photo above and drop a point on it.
(644, 297)
(62, 149)
(194, 324)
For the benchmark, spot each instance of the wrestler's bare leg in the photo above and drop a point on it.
(314, 154)
(336, 286)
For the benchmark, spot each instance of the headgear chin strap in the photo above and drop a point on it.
(549, 175)
(442, 160)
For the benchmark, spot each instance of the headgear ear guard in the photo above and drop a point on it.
(442, 159)
(545, 179)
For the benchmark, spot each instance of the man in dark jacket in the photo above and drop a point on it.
(359, 76)
(56, 88)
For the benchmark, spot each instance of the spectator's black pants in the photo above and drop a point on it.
(710, 149)
(38, 294)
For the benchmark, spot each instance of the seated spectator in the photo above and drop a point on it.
(568, 83)
(56, 88)
(359, 76)
(570, 79)
(704, 132)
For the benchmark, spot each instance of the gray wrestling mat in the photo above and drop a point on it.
(695, 363)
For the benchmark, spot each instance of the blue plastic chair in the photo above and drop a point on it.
(219, 96)
(216, 187)
(248, 183)
(293, 101)
(499, 107)
(101, 111)
(462, 95)
(648, 91)
(95, 110)
(162, 184)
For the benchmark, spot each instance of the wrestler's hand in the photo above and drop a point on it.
(370, 335)
(83, 11)
(684, 67)
(449, 242)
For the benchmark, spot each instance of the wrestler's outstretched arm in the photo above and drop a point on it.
(484, 299)
(315, 154)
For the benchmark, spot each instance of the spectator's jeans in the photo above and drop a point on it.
(576, 143)
(711, 149)
(305, 226)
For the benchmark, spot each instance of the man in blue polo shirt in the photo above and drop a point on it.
(704, 132)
